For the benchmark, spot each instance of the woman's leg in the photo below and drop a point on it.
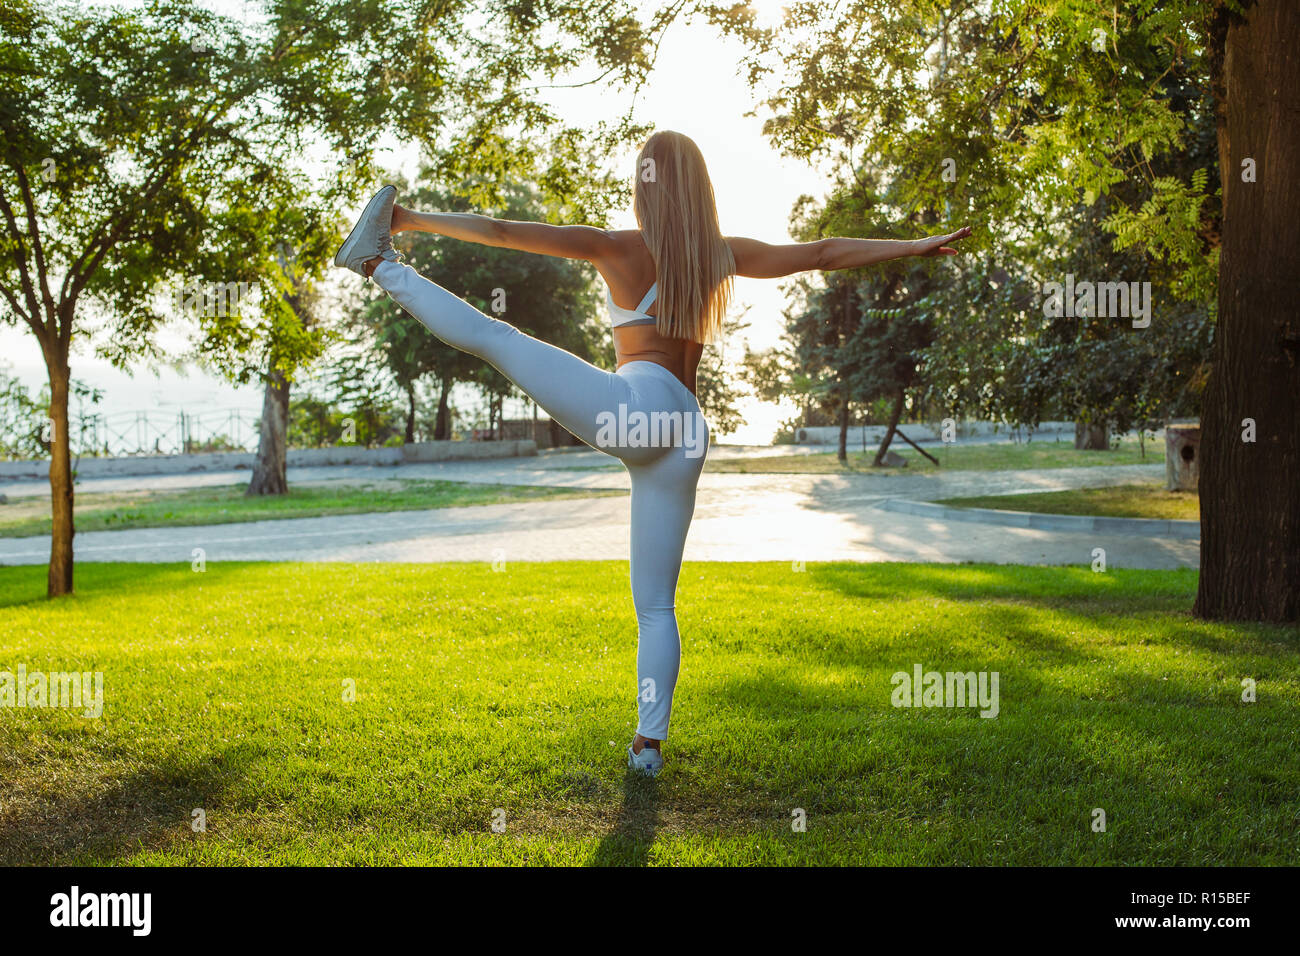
(572, 391)
(663, 502)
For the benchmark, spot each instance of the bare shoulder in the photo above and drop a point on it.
(628, 240)
(629, 257)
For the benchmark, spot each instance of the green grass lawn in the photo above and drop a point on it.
(223, 504)
(1121, 501)
(515, 690)
(1001, 456)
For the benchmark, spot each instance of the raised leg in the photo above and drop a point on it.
(572, 391)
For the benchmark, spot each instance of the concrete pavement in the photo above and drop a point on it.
(738, 517)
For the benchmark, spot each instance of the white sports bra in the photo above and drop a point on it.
(620, 317)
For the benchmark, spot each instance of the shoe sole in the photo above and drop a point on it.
(378, 199)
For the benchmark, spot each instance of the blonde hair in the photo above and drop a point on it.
(678, 215)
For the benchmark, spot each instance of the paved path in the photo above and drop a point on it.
(739, 517)
(575, 467)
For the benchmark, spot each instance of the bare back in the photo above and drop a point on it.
(629, 273)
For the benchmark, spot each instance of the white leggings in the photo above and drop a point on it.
(591, 402)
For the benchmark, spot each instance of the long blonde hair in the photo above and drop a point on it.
(678, 215)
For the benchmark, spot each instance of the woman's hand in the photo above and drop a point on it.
(938, 245)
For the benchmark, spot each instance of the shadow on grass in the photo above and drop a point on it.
(103, 823)
(638, 821)
(1005, 595)
(24, 585)
(1049, 585)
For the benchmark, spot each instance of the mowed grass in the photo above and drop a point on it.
(1121, 501)
(223, 504)
(998, 456)
(509, 696)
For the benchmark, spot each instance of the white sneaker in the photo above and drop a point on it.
(649, 761)
(370, 237)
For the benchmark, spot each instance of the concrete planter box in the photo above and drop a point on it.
(462, 450)
(340, 455)
(872, 435)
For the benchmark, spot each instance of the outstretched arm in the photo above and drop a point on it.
(759, 260)
(566, 242)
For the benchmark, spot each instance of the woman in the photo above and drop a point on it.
(681, 257)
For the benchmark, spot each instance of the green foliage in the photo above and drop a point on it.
(358, 386)
(717, 388)
(314, 422)
(858, 339)
(21, 420)
(1079, 140)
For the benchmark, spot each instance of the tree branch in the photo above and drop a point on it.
(39, 254)
(41, 332)
(20, 258)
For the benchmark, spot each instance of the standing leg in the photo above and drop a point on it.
(663, 502)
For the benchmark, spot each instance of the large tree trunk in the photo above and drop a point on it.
(842, 453)
(59, 580)
(410, 414)
(442, 426)
(269, 472)
(1088, 437)
(1250, 493)
(894, 417)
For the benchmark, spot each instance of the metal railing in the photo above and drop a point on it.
(156, 432)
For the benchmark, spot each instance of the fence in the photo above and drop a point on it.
(165, 433)
(179, 432)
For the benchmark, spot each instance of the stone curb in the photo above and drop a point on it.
(151, 465)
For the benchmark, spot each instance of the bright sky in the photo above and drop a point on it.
(694, 90)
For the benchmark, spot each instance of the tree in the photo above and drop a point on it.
(300, 327)
(165, 145)
(358, 385)
(136, 157)
(862, 333)
(890, 342)
(1003, 114)
(1250, 427)
(774, 374)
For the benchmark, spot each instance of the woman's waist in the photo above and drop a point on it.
(636, 368)
(672, 366)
